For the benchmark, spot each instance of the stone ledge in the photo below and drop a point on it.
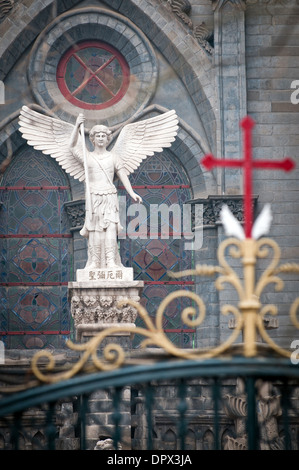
(105, 284)
(212, 206)
(87, 331)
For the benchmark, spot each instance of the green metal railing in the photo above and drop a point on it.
(177, 399)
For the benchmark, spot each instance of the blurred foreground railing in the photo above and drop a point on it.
(238, 403)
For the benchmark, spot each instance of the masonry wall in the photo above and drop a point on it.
(272, 64)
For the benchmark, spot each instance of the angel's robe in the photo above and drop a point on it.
(103, 193)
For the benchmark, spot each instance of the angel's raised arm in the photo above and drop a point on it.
(75, 146)
(53, 137)
(76, 141)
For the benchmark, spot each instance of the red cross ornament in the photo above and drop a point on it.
(248, 165)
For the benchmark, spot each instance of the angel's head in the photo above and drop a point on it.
(100, 135)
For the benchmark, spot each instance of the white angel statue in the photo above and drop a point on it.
(66, 143)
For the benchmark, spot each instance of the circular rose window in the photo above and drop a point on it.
(93, 75)
(86, 59)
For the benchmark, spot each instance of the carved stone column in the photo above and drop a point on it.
(230, 76)
(268, 410)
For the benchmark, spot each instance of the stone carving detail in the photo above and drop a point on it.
(212, 207)
(182, 8)
(236, 408)
(235, 206)
(91, 309)
(5, 7)
(106, 444)
(211, 210)
(76, 214)
(204, 36)
(269, 410)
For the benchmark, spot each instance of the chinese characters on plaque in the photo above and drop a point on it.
(105, 275)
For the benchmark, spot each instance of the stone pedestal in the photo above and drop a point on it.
(95, 297)
(86, 331)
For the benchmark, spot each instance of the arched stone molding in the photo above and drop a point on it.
(22, 26)
(161, 26)
(218, 4)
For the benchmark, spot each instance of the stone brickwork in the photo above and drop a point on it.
(101, 416)
(208, 334)
(230, 83)
(272, 58)
(166, 418)
(202, 11)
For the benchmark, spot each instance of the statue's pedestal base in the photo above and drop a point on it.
(95, 299)
(86, 331)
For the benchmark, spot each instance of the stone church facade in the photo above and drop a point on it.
(214, 62)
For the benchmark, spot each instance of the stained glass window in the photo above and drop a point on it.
(93, 75)
(36, 253)
(160, 180)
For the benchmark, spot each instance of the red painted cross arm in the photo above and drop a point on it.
(210, 162)
(247, 164)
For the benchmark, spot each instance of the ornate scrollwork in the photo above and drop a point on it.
(248, 315)
(113, 355)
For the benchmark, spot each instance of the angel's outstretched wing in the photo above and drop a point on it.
(52, 137)
(141, 139)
